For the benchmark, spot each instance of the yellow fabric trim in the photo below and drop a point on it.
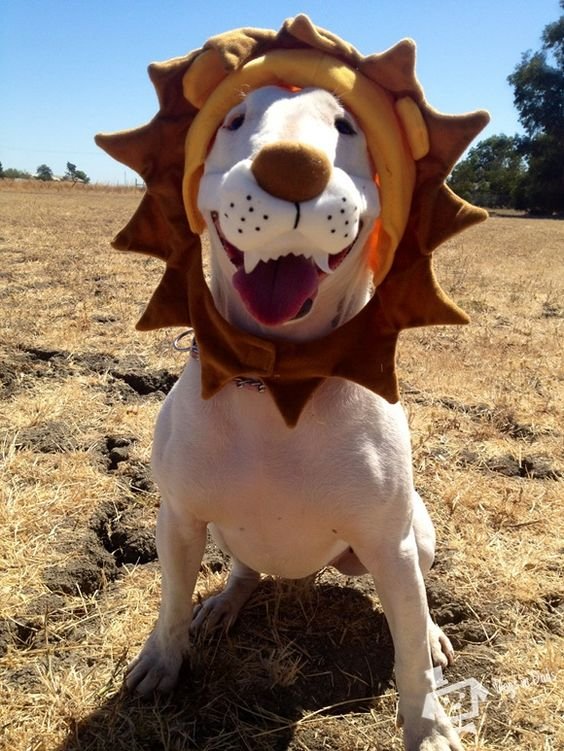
(371, 105)
(414, 126)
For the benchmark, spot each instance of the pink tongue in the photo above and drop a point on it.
(276, 291)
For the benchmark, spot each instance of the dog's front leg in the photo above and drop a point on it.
(180, 545)
(399, 583)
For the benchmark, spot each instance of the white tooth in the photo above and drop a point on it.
(267, 254)
(322, 260)
(251, 261)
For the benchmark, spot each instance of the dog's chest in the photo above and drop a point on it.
(281, 499)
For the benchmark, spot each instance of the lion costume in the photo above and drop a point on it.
(413, 149)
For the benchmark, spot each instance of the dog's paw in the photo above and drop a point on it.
(442, 651)
(217, 612)
(156, 668)
(431, 733)
(222, 610)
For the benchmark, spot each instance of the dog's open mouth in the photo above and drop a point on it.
(281, 290)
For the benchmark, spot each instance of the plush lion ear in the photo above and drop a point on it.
(206, 72)
(220, 56)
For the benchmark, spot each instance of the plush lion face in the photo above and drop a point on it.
(288, 194)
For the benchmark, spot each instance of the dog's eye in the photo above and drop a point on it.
(344, 127)
(236, 123)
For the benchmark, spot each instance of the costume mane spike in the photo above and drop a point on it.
(394, 69)
(451, 134)
(241, 44)
(127, 146)
(165, 77)
(302, 29)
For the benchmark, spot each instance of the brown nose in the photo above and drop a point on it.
(292, 171)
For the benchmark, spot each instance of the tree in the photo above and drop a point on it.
(12, 174)
(1, 171)
(538, 84)
(491, 173)
(44, 173)
(75, 175)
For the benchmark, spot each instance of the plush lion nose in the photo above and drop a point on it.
(291, 171)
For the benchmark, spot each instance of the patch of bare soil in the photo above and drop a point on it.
(131, 375)
(309, 664)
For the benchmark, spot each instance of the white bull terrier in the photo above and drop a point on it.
(288, 261)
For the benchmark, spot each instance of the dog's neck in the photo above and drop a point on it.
(339, 299)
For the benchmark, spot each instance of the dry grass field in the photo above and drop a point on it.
(308, 666)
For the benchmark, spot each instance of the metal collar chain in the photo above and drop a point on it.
(249, 383)
(192, 347)
(241, 382)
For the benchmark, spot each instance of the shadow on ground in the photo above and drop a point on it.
(296, 649)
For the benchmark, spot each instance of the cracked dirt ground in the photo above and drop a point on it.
(309, 665)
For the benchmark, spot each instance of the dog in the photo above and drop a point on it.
(289, 200)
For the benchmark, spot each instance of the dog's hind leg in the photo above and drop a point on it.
(221, 610)
(442, 652)
(180, 544)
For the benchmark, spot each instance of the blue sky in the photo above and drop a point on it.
(72, 68)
